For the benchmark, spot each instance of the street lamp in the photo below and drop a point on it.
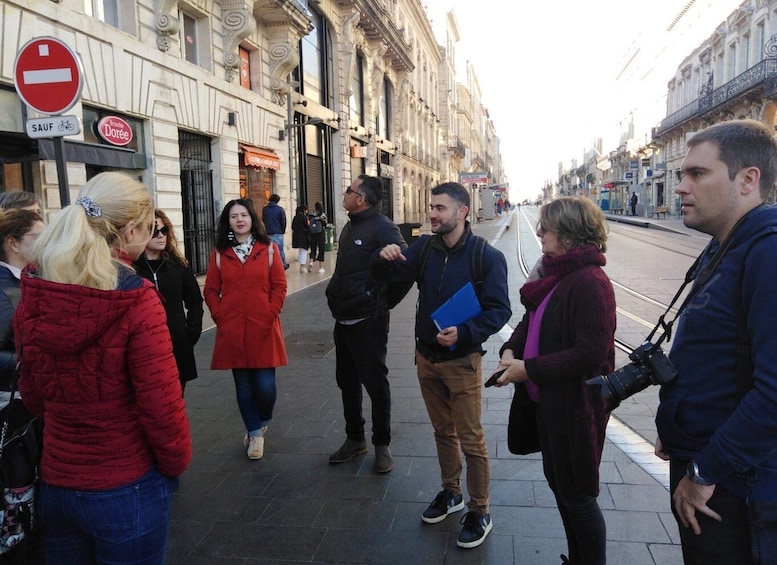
(287, 127)
(282, 135)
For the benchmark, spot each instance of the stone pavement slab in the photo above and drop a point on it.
(292, 506)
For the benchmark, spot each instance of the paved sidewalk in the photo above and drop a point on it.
(293, 507)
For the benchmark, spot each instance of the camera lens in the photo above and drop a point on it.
(622, 383)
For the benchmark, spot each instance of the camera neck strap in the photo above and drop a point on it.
(699, 279)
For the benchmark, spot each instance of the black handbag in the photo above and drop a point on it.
(21, 442)
(522, 436)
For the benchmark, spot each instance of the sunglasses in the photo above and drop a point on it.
(349, 191)
(159, 231)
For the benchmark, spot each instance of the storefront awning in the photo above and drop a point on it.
(91, 154)
(259, 158)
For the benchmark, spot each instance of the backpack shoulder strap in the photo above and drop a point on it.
(477, 268)
(423, 258)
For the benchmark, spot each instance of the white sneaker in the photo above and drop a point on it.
(245, 436)
(321, 271)
(255, 447)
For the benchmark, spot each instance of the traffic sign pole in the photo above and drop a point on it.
(59, 155)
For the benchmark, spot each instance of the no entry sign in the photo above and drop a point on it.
(48, 76)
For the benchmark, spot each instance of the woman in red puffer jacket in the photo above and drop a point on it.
(97, 365)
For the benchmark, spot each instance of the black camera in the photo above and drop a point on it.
(649, 366)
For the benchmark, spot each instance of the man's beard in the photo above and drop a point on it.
(445, 227)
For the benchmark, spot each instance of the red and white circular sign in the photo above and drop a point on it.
(48, 76)
(114, 130)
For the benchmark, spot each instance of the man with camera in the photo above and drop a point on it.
(717, 419)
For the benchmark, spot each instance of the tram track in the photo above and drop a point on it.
(660, 307)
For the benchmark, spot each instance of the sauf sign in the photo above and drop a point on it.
(114, 130)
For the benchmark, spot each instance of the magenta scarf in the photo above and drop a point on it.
(554, 268)
(532, 347)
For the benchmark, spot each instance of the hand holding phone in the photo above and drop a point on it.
(493, 378)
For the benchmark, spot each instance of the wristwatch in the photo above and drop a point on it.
(693, 474)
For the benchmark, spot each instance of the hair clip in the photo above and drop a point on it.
(90, 207)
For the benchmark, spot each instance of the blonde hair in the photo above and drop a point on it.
(575, 218)
(78, 249)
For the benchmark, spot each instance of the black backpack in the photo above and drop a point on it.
(316, 226)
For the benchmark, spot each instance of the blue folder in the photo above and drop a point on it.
(462, 306)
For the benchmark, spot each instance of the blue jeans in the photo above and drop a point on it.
(127, 525)
(256, 394)
(277, 238)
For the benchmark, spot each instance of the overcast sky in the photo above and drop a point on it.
(546, 72)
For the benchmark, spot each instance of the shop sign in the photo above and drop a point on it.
(255, 157)
(357, 151)
(473, 178)
(386, 171)
(114, 130)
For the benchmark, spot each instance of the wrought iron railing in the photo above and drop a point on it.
(752, 77)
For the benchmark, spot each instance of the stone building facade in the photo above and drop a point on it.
(229, 98)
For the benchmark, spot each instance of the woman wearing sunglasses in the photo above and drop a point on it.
(163, 264)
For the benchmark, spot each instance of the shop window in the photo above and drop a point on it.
(245, 68)
(189, 38)
(193, 36)
(357, 92)
(120, 15)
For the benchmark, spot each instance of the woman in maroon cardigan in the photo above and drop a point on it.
(566, 337)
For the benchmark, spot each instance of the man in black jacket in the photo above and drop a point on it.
(359, 305)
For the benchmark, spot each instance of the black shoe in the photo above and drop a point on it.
(446, 502)
(383, 461)
(348, 451)
(475, 529)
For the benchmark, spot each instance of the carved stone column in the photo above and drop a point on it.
(376, 78)
(239, 23)
(167, 23)
(283, 41)
(348, 50)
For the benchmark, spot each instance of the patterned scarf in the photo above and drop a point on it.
(243, 250)
(554, 268)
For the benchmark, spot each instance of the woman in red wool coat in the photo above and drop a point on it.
(245, 289)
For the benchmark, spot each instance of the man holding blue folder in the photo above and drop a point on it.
(449, 358)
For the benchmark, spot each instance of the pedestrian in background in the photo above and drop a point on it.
(566, 337)
(317, 229)
(163, 264)
(19, 229)
(300, 236)
(245, 288)
(449, 359)
(97, 366)
(359, 305)
(716, 420)
(274, 218)
(633, 203)
(21, 199)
